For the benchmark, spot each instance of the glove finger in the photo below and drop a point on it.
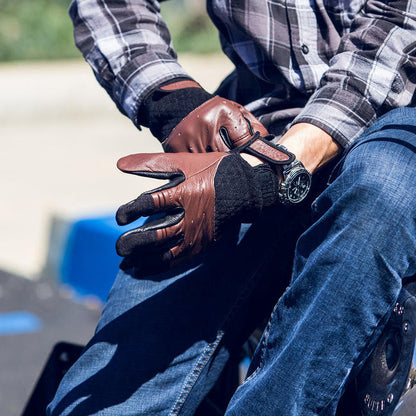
(173, 166)
(147, 265)
(129, 242)
(151, 236)
(153, 165)
(142, 206)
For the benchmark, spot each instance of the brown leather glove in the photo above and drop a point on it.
(217, 125)
(206, 193)
(168, 104)
(186, 118)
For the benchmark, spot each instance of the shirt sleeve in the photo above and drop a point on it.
(373, 71)
(128, 46)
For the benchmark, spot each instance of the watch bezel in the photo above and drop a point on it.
(290, 173)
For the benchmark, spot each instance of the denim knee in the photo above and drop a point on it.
(399, 119)
(381, 166)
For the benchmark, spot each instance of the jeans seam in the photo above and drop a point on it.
(262, 347)
(194, 374)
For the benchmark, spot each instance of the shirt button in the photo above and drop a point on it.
(305, 49)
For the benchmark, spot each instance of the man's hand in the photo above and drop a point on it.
(206, 193)
(186, 118)
(217, 125)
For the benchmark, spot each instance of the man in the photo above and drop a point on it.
(325, 79)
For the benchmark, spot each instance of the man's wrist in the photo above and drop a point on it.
(251, 159)
(311, 145)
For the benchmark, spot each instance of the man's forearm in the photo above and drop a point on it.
(311, 145)
(128, 48)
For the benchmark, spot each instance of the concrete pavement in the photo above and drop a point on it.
(60, 138)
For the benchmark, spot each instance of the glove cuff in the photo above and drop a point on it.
(257, 189)
(166, 106)
(267, 182)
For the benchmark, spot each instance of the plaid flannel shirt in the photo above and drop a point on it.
(351, 60)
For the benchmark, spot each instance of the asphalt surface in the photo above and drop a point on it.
(34, 316)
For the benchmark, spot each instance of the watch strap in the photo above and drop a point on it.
(267, 151)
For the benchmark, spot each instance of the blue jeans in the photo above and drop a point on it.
(163, 341)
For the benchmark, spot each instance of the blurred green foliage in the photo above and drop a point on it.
(35, 29)
(190, 27)
(42, 29)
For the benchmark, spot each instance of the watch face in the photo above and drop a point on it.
(299, 187)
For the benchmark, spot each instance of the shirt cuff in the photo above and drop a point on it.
(341, 113)
(140, 76)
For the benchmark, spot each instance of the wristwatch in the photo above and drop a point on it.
(295, 184)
